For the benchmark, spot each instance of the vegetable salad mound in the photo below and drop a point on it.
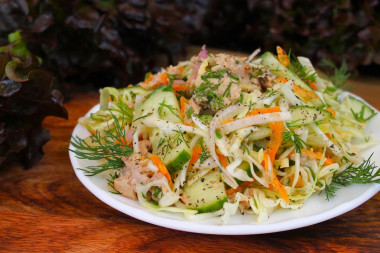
(220, 134)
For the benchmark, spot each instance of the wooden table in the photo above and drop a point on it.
(47, 209)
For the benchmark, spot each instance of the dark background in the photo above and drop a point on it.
(91, 44)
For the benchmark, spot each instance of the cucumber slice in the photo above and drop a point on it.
(137, 90)
(303, 115)
(207, 194)
(271, 62)
(164, 101)
(361, 111)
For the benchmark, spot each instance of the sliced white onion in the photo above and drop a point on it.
(255, 120)
(199, 123)
(334, 148)
(253, 55)
(296, 169)
(289, 95)
(219, 116)
(240, 174)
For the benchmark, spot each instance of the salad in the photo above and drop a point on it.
(221, 134)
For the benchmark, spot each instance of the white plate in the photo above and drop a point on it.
(315, 210)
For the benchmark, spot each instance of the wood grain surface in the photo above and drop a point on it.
(46, 209)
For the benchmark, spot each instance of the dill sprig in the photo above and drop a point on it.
(305, 74)
(366, 173)
(291, 137)
(330, 191)
(169, 107)
(204, 154)
(111, 183)
(244, 143)
(110, 148)
(339, 76)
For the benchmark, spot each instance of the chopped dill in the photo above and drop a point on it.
(291, 137)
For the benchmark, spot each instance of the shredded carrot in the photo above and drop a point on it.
(239, 188)
(317, 155)
(181, 68)
(313, 86)
(331, 111)
(275, 140)
(164, 78)
(281, 79)
(264, 110)
(299, 183)
(276, 184)
(93, 131)
(307, 94)
(194, 157)
(162, 168)
(130, 85)
(223, 160)
(178, 87)
(121, 141)
(328, 135)
(149, 78)
(282, 57)
(226, 121)
(182, 102)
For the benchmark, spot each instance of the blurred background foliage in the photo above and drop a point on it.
(95, 43)
(88, 44)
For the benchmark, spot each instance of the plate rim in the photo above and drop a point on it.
(216, 229)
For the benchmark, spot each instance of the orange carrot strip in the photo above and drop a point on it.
(162, 168)
(313, 86)
(317, 155)
(282, 57)
(275, 182)
(264, 110)
(164, 78)
(177, 87)
(223, 160)
(238, 189)
(304, 93)
(331, 110)
(281, 79)
(181, 68)
(182, 103)
(328, 135)
(226, 121)
(93, 131)
(196, 154)
(299, 183)
(149, 78)
(275, 140)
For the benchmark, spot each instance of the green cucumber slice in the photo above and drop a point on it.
(207, 194)
(303, 115)
(361, 111)
(271, 62)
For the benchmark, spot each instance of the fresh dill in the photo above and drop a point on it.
(244, 144)
(169, 107)
(110, 147)
(181, 137)
(142, 117)
(204, 154)
(291, 137)
(308, 76)
(366, 173)
(359, 116)
(112, 184)
(227, 92)
(339, 76)
(330, 191)
(189, 112)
